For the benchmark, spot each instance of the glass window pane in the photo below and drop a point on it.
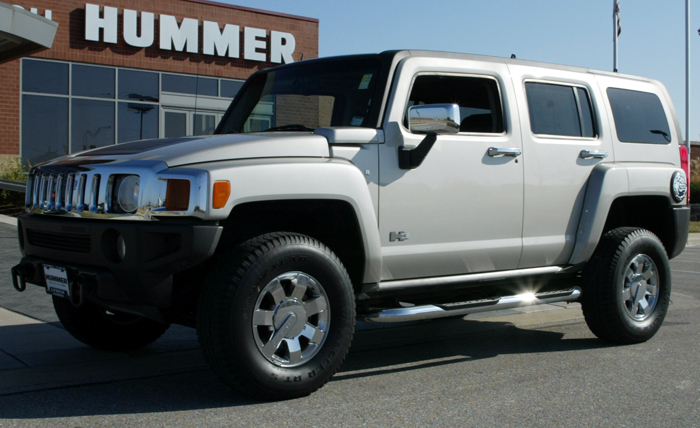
(44, 128)
(553, 109)
(586, 113)
(138, 85)
(204, 124)
(229, 88)
(137, 121)
(190, 85)
(91, 81)
(44, 76)
(639, 117)
(175, 124)
(478, 100)
(92, 124)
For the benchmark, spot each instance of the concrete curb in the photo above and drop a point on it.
(8, 220)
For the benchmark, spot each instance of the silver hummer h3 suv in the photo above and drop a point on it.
(400, 186)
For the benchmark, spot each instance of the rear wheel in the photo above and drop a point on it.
(107, 330)
(276, 317)
(628, 286)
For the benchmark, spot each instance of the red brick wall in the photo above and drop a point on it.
(70, 45)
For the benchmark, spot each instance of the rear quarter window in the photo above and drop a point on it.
(639, 117)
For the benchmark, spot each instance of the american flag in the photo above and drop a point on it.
(616, 14)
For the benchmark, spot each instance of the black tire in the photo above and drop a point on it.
(253, 352)
(105, 330)
(627, 286)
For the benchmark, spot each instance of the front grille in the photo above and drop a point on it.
(59, 241)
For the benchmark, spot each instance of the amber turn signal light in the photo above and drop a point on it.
(222, 190)
(177, 197)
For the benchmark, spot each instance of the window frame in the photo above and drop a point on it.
(573, 86)
(464, 75)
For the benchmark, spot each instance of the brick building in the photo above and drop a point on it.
(123, 70)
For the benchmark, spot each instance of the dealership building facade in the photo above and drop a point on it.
(126, 70)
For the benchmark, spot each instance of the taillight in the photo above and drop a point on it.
(685, 166)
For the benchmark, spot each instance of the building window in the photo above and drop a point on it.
(69, 107)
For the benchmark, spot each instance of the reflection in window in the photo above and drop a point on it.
(190, 85)
(45, 77)
(92, 124)
(137, 121)
(175, 124)
(89, 81)
(138, 85)
(44, 128)
(204, 124)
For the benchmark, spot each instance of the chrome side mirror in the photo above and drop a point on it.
(437, 118)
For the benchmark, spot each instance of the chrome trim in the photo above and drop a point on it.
(496, 151)
(417, 313)
(460, 279)
(598, 154)
(85, 190)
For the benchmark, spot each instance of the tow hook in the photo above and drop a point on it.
(18, 281)
(77, 290)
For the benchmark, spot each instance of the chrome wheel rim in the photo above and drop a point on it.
(291, 319)
(640, 290)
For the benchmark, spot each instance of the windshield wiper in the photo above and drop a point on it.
(290, 127)
(660, 132)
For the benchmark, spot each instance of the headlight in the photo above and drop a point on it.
(128, 193)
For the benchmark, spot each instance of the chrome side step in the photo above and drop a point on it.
(415, 313)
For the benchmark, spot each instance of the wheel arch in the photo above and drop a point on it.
(635, 195)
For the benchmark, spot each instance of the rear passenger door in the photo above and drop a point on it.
(561, 112)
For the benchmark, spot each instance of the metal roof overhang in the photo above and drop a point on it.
(23, 33)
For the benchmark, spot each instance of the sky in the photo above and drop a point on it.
(570, 32)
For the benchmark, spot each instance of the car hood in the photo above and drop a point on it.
(191, 150)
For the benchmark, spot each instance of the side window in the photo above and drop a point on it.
(559, 110)
(478, 98)
(639, 117)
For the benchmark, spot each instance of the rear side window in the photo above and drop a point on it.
(478, 98)
(639, 117)
(559, 110)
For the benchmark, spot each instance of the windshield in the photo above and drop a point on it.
(305, 96)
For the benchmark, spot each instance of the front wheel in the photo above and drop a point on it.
(276, 316)
(627, 286)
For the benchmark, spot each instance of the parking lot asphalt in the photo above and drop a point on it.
(36, 353)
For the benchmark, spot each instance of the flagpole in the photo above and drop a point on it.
(616, 30)
(687, 75)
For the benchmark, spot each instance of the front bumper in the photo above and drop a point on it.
(89, 250)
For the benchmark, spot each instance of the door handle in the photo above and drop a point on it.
(598, 154)
(495, 152)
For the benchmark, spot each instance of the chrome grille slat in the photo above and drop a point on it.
(81, 193)
(69, 192)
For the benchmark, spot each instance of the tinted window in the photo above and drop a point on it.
(639, 117)
(478, 99)
(90, 81)
(190, 85)
(45, 77)
(586, 113)
(553, 110)
(138, 85)
(44, 128)
(92, 124)
(137, 121)
(229, 88)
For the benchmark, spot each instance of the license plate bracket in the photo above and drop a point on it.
(56, 278)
